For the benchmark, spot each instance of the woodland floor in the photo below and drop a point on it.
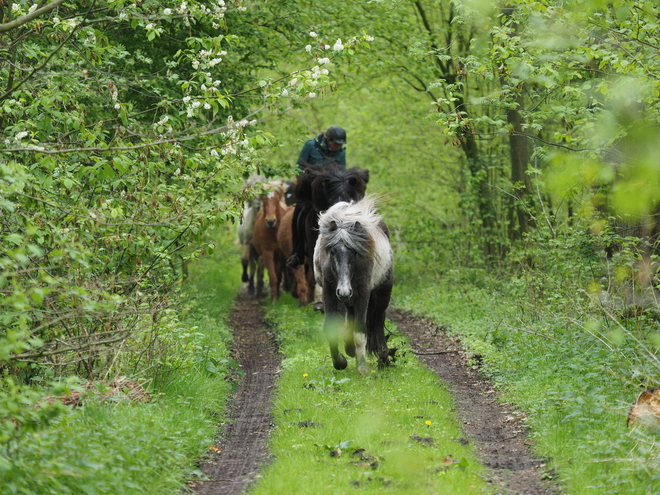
(496, 430)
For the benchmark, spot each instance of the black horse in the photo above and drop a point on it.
(317, 189)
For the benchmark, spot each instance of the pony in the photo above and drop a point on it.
(264, 238)
(318, 188)
(298, 285)
(246, 230)
(353, 263)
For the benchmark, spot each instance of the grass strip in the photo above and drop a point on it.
(394, 431)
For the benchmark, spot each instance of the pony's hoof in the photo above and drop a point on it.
(349, 347)
(340, 363)
(318, 306)
(245, 278)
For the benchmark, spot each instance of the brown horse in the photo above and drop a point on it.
(264, 238)
(285, 248)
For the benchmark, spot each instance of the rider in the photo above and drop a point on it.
(328, 145)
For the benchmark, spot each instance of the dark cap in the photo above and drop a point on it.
(336, 134)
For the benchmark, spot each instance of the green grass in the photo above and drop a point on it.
(324, 418)
(574, 387)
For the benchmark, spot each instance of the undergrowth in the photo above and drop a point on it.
(392, 431)
(117, 446)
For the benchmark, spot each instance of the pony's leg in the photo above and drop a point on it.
(357, 316)
(269, 261)
(245, 259)
(334, 321)
(253, 258)
(318, 298)
(301, 286)
(349, 338)
(378, 303)
(260, 277)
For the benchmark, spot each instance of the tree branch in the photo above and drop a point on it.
(28, 17)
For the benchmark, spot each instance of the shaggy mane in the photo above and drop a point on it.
(338, 225)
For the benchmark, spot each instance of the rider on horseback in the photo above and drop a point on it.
(328, 145)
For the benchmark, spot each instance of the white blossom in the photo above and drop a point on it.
(167, 12)
(149, 26)
(21, 135)
(177, 171)
(215, 61)
(186, 99)
(338, 45)
(207, 106)
(308, 48)
(369, 38)
(285, 92)
(195, 104)
(195, 64)
(311, 94)
(56, 20)
(242, 9)
(325, 72)
(313, 34)
(117, 106)
(214, 153)
(293, 81)
(324, 60)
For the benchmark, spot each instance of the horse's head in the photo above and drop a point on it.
(270, 203)
(335, 184)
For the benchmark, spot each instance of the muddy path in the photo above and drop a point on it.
(241, 449)
(496, 431)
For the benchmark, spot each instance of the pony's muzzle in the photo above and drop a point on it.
(271, 222)
(344, 294)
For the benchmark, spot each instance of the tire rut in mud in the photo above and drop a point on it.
(497, 432)
(241, 451)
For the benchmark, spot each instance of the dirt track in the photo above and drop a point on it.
(496, 431)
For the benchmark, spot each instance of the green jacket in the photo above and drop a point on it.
(316, 151)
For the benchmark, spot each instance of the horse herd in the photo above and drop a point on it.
(348, 267)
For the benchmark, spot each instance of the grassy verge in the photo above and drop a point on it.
(119, 446)
(575, 387)
(393, 431)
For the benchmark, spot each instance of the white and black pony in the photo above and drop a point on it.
(353, 263)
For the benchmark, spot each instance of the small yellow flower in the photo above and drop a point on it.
(305, 375)
(373, 371)
(428, 423)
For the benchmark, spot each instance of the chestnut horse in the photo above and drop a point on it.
(285, 248)
(353, 263)
(264, 239)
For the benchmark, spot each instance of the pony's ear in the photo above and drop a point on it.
(365, 175)
(333, 226)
